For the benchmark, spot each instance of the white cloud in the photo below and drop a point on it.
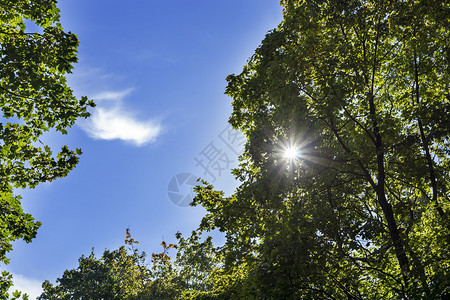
(113, 121)
(32, 287)
(110, 124)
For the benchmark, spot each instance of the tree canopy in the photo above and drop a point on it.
(118, 274)
(345, 178)
(125, 274)
(360, 89)
(34, 98)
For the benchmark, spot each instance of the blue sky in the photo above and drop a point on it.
(157, 72)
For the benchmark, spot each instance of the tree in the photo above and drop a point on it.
(124, 273)
(118, 274)
(34, 98)
(360, 90)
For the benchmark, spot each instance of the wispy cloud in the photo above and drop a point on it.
(116, 96)
(32, 287)
(110, 120)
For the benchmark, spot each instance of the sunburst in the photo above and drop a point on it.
(291, 153)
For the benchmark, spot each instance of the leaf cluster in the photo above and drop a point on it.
(34, 99)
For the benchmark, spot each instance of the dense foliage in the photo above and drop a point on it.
(357, 92)
(360, 88)
(125, 274)
(118, 274)
(34, 98)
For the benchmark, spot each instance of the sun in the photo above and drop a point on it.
(291, 153)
